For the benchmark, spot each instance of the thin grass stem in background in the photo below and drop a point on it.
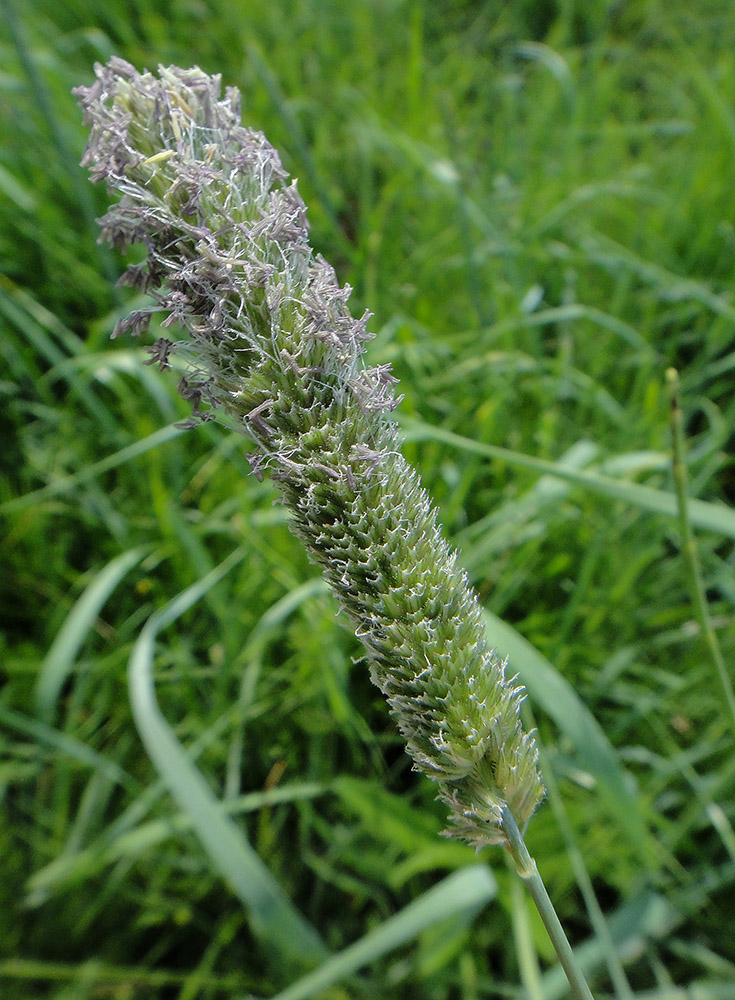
(689, 548)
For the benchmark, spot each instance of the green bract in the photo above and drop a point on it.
(273, 343)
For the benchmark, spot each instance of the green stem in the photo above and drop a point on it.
(526, 868)
(689, 548)
(615, 966)
(526, 951)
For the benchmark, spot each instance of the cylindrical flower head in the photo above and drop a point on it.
(274, 345)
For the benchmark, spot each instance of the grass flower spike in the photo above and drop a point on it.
(270, 340)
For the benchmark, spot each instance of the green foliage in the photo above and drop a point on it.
(534, 201)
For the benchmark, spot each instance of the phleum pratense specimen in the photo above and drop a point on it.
(270, 340)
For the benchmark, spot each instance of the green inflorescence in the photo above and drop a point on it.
(271, 341)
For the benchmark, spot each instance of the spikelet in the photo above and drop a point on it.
(271, 341)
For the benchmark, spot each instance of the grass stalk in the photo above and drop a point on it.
(689, 547)
(528, 871)
(577, 863)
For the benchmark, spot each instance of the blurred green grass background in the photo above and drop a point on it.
(535, 200)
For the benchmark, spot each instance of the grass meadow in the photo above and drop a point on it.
(203, 796)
